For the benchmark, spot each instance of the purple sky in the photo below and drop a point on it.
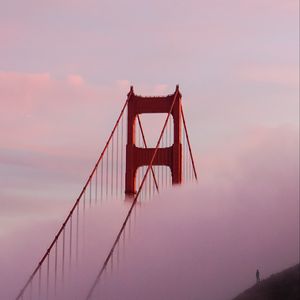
(66, 67)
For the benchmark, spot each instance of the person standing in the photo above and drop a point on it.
(257, 276)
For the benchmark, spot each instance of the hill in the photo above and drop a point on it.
(280, 286)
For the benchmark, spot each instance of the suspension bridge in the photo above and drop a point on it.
(126, 165)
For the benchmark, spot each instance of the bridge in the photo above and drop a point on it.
(126, 165)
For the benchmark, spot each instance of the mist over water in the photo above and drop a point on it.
(196, 241)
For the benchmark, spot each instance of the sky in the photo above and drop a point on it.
(66, 68)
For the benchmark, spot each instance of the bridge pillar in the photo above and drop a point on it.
(168, 156)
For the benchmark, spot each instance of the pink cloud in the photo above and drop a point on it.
(124, 84)
(290, 6)
(273, 74)
(22, 89)
(51, 124)
(75, 80)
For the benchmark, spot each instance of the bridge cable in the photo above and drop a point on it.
(112, 167)
(106, 186)
(145, 144)
(117, 161)
(96, 184)
(62, 228)
(121, 156)
(132, 205)
(189, 144)
(184, 155)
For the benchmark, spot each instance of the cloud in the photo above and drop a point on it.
(123, 83)
(290, 6)
(75, 80)
(53, 130)
(282, 75)
(265, 142)
(36, 107)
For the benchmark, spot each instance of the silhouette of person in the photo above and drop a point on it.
(257, 276)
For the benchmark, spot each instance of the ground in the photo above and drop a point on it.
(281, 286)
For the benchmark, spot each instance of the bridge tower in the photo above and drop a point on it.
(168, 156)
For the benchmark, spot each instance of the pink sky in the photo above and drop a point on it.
(66, 67)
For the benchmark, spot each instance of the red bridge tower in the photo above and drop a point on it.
(168, 156)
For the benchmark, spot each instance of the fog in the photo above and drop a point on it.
(203, 240)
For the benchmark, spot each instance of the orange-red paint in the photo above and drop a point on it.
(169, 156)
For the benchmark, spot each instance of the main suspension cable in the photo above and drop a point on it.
(132, 205)
(38, 268)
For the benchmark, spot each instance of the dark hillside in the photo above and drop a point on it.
(281, 286)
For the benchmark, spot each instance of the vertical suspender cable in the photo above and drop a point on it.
(90, 192)
(122, 145)
(77, 232)
(63, 257)
(30, 290)
(112, 166)
(55, 268)
(40, 280)
(107, 170)
(131, 207)
(96, 184)
(184, 157)
(48, 274)
(101, 180)
(84, 202)
(117, 161)
(139, 145)
(189, 145)
(163, 168)
(169, 144)
(20, 294)
(70, 251)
